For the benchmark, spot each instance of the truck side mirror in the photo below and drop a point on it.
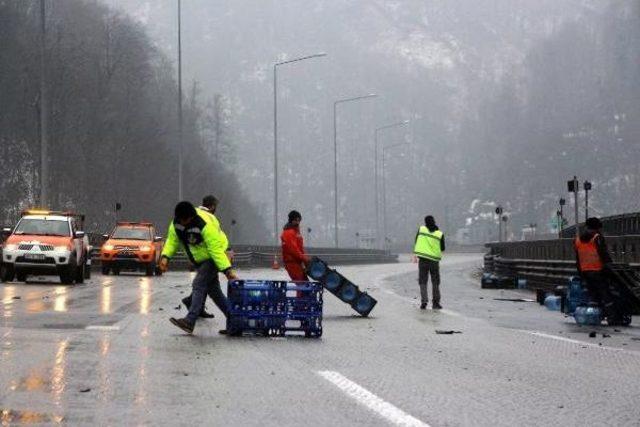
(6, 232)
(79, 234)
(157, 239)
(105, 236)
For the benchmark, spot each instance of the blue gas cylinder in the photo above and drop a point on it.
(576, 295)
(588, 315)
(553, 302)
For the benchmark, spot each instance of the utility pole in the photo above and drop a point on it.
(44, 112)
(377, 188)
(499, 211)
(275, 136)
(573, 187)
(561, 212)
(587, 188)
(180, 142)
(335, 157)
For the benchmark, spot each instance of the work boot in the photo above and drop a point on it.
(436, 306)
(223, 332)
(183, 324)
(206, 315)
(187, 302)
(423, 306)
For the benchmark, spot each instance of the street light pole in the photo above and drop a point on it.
(384, 190)
(377, 189)
(275, 136)
(587, 188)
(44, 112)
(180, 135)
(335, 156)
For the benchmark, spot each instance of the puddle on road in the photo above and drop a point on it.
(10, 417)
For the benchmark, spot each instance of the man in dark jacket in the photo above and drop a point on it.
(429, 245)
(293, 255)
(592, 260)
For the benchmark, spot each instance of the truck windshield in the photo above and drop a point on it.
(131, 233)
(43, 227)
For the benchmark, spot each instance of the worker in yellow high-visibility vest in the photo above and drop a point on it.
(429, 246)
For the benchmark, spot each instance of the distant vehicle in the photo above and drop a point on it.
(131, 246)
(47, 242)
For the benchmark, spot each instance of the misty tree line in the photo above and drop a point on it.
(113, 122)
(571, 107)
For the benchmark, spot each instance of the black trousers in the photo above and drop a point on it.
(597, 285)
(426, 268)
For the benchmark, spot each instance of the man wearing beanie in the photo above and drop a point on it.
(293, 255)
(592, 258)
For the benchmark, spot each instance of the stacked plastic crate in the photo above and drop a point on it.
(274, 308)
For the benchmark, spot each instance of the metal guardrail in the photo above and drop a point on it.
(548, 263)
(616, 225)
(265, 255)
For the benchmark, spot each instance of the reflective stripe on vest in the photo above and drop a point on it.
(428, 244)
(588, 255)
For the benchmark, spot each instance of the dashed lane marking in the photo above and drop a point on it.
(363, 396)
(102, 328)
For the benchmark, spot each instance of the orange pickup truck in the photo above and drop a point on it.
(132, 246)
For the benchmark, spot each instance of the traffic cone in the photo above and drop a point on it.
(275, 264)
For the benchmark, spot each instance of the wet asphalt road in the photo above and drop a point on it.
(104, 353)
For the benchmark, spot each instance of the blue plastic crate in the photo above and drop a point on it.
(309, 325)
(257, 296)
(256, 324)
(274, 308)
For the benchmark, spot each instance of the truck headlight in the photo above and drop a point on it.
(145, 248)
(108, 247)
(61, 248)
(10, 247)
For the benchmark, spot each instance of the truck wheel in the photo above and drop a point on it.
(7, 273)
(115, 271)
(21, 277)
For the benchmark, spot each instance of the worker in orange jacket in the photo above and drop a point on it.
(592, 260)
(293, 255)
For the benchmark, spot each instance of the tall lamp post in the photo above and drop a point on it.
(377, 189)
(561, 213)
(44, 112)
(275, 135)
(335, 156)
(587, 188)
(384, 188)
(180, 141)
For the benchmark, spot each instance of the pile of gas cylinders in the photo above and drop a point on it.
(573, 300)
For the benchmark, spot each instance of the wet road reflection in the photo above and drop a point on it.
(58, 379)
(145, 295)
(9, 292)
(60, 299)
(10, 417)
(105, 297)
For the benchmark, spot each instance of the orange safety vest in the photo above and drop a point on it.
(588, 256)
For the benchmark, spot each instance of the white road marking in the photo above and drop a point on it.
(102, 328)
(583, 343)
(363, 396)
(416, 303)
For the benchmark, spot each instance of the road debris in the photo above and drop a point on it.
(447, 332)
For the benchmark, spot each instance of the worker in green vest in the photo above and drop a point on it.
(428, 248)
